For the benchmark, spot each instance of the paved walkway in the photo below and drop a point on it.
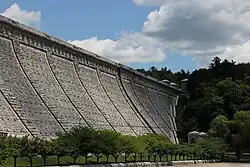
(219, 165)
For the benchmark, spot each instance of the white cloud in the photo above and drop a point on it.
(191, 27)
(130, 47)
(238, 53)
(211, 28)
(31, 18)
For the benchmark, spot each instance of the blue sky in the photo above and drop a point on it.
(133, 32)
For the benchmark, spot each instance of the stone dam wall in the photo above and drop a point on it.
(48, 85)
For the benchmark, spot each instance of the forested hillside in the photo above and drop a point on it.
(221, 89)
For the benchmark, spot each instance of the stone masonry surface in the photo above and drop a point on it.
(21, 96)
(67, 76)
(115, 94)
(38, 71)
(141, 93)
(49, 86)
(90, 78)
(153, 96)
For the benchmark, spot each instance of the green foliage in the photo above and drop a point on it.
(29, 147)
(13, 146)
(153, 144)
(86, 142)
(3, 150)
(235, 132)
(211, 146)
(219, 127)
(164, 73)
(111, 142)
(221, 89)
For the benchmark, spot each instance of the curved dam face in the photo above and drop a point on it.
(49, 86)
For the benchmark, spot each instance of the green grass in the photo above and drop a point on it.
(67, 160)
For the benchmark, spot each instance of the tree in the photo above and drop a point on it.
(45, 150)
(154, 144)
(215, 63)
(98, 145)
(58, 148)
(211, 146)
(219, 127)
(3, 150)
(78, 141)
(139, 147)
(240, 126)
(235, 132)
(111, 142)
(128, 147)
(30, 147)
(13, 148)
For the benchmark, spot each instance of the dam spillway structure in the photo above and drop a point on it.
(49, 86)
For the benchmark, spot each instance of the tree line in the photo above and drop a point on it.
(223, 88)
(218, 103)
(105, 146)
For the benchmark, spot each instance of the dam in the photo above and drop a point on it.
(49, 86)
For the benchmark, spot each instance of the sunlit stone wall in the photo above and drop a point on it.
(49, 86)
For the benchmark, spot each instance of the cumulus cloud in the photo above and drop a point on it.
(239, 53)
(211, 28)
(130, 47)
(191, 27)
(31, 18)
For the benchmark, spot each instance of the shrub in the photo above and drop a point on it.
(83, 141)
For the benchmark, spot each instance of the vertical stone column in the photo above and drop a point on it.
(174, 105)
